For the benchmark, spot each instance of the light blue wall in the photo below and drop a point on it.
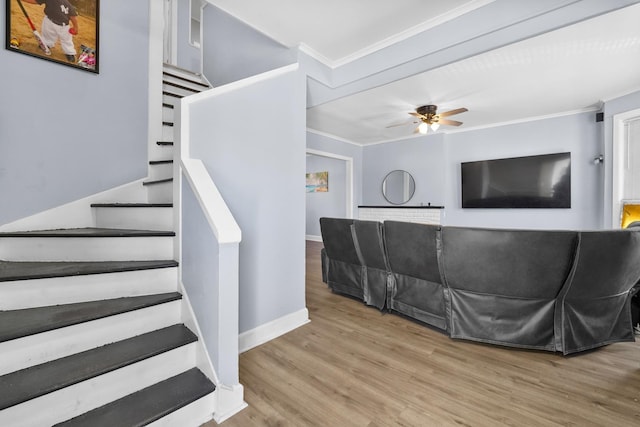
(332, 203)
(188, 55)
(259, 167)
(578, 134)
(330, 145)
(434, 161)
(232, 50)
(422, 157)
(66, 133)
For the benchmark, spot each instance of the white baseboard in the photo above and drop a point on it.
(230, 402)
(313, 238)
(263, 333)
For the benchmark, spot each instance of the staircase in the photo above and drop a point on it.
(92, 321)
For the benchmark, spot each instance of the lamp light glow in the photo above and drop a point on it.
(423, 128)
(435, 126)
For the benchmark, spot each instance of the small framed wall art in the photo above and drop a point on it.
(62, 31)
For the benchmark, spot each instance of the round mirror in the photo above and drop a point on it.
(398, 187)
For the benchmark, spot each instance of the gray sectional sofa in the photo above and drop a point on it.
(564, 291)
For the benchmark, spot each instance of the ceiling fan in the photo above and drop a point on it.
(429, 118)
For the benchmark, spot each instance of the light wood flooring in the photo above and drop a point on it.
(355, 366)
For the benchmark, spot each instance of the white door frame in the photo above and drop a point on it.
(618, 163)
(170, 36)
(349, 176)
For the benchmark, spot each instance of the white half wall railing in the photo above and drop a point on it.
(207, 247)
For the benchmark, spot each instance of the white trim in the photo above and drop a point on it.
(230, 87)
(348, 172)
(448, 131)
(314, 54)
(411, 32)
(230, 402)
(332, 136)
(204, 362)
(382, 44)
(270, 330)
(156, 54)
(621, 94)
(213, 206)
(525, 120)
(313, 238)
(617, 172)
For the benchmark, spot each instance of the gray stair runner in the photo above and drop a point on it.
(35, 381)
(149, 404)
(20, 323)
(89, 232)
(28, 270)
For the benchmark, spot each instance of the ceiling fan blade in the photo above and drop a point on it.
(401, 124)
(449, 122)
(452, 112)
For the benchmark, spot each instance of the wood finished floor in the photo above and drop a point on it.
(355, 366)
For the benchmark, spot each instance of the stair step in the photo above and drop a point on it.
(195, 79)
(35, 381)
(86, 245)
(171, 94)
(164, 142)
(89, 232)
(12, 271)
(149, 216)
(149, 404)
(160, 162)
(158, 181)
(166, 105)
(132, 205)
(20, 323)
(184, 87)
(167, 124)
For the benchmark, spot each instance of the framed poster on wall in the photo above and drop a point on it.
(62, 31)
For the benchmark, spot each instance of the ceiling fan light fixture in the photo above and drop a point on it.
(435, 126)
(423, 128)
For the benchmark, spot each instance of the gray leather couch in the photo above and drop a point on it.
(565, 291)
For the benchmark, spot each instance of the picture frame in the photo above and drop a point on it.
(318, 182)
(69, 36)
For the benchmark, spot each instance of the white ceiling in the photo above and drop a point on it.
(567, 70)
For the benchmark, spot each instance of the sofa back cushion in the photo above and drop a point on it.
(338, 239)
(523, 263)
(370, 243)
(412, 249)
(368, 236)
(595, 306)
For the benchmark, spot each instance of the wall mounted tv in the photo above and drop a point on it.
(542, 181)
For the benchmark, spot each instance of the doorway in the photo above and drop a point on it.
(338, 200)
(626, 163)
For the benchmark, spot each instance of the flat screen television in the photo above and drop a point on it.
(542, 181)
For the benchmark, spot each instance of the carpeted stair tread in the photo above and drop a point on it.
(149, 404)
(20, 270)
(29, 321)
(132, 205)
(89, 232)
(35, 381)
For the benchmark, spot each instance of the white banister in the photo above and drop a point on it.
(218, 215)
